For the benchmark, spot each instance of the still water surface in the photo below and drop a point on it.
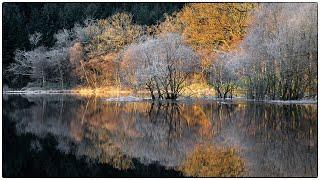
(68, 136)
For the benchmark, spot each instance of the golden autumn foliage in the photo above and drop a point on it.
(113, 34)
(209, 161)
(210, 27)
(96, 71)
(101, 70)
(94, 50)
(207, 27)
(215, 25)
(171, 24)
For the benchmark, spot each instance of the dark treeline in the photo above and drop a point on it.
(22, 19)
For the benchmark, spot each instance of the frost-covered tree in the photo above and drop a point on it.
(163, 64)
(278, 58)
(222, 75)
(43, 64)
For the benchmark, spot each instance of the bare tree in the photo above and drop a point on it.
(278, 56)
(161, 64)
(222, 75)
(44, 64)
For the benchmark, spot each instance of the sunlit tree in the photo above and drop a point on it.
(163, 63)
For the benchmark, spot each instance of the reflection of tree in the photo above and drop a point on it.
(276, 139)
(179, 116)
(113, 132)
(165, 135)
(279, 140)
(209, 161)
(47, 117)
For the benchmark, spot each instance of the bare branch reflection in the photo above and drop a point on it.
(272, 140)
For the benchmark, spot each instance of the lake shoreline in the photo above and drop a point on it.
(126, 96)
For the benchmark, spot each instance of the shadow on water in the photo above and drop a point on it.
(65, 136)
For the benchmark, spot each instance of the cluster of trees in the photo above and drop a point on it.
(210, 28)
(278, 57)
(42, 64)
(22, 19)
(83, 55)
(267, 49)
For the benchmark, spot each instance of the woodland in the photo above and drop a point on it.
(264, 50)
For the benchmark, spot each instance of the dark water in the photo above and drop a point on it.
(65, 136)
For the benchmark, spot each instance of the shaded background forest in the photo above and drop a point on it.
(22, 19)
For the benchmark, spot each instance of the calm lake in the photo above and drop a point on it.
(68, 136)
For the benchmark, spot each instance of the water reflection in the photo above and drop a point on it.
(210, 161)
(272, 140)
